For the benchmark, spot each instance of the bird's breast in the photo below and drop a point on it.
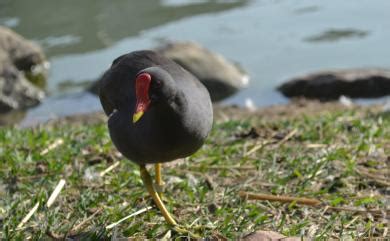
(155, 138)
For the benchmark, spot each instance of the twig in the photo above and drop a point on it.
(225, 167)
(256, 147)
(378, 179)
(310, 202)
(129, 216)
(21, 228)
(352, 221)
(28, 216)
(376, 212)
(108, 169)
(261, 145)
(52, 198)
(167, 235)
(78, 226)
(55, 193)
(55, 144)
(36, 176)
(324, 211)
(315, 145)
(287, 137)
(283, 199)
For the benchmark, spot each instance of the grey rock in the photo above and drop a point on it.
(16, 92)
(21, 63)
(220, 77)
(23, 53)
(330, 85)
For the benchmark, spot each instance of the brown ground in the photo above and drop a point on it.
(292, 110)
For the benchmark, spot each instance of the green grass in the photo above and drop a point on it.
(339, 157)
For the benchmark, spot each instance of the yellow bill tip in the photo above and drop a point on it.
(137, 116)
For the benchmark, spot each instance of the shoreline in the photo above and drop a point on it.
(293, 109)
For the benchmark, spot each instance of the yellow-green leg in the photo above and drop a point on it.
(149, 186)
(159, 182)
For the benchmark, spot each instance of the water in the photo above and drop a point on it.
(272, 40)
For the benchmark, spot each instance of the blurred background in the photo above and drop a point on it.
(272, 41)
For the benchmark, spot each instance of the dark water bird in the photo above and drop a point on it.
(158, 112)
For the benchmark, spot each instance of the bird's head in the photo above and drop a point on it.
(152, 85)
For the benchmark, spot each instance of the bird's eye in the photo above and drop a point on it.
(158, 83)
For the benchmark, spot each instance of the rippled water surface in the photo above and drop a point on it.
(272, 40)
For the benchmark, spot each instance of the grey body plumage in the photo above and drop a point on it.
(180, 114)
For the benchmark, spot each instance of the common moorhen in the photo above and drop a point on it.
(158, 112)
